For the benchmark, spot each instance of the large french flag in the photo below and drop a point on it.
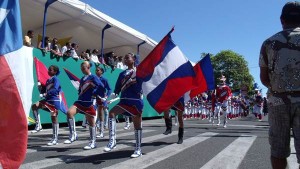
(16, 86)
(204, 76)
(74, 79)
(166, 74)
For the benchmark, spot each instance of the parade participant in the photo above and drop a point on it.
(223, 94)
(179, 108)
(52, 103)
(88, 85)
(101, 100)
(131, 104)
(258, 104)
(279, 72)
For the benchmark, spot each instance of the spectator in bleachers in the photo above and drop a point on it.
(27, 38)
(109, 59)
(47, 45)
(120, 63)
(54, 47)
(94, 57)
(74, 48)
(65, 48)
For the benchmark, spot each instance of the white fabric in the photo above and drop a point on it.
(21, 66)
(174, 59)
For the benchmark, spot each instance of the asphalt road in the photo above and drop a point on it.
(243, 144)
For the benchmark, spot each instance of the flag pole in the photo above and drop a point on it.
(48, 3)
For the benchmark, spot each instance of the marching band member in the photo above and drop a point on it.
(223, 94)
(179, 108)
(101, 100)
(52, 103)
(131, 104)
(88, 85)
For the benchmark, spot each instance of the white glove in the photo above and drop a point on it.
(39, 83)
(42, 95)
(103, 99)
(113, 96)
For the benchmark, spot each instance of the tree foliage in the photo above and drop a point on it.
(234, 67)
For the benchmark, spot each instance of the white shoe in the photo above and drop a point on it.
(225, 126)
(91, 145)
(52, 142)
(126, 127)
(176, 124)
(37, 129)
(100, 135)
(69, 141)
(218, 124)
(137, 153)
(110, 147)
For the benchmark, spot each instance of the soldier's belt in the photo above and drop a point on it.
(284, 95)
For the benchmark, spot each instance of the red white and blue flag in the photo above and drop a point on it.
(74, 79)
(16, 85)
(166, 74)
(204, 78)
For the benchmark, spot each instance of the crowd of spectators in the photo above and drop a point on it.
(71, 50)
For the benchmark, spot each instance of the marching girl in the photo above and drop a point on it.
(52, 103)
(178, 107)
(88, 85)
(131, 104)
(101, 100)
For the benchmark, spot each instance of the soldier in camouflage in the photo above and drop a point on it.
(280, 71)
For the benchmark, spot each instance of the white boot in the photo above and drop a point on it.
(101, 130)
(72, 128)
(55, 127)
(127, 125)
(92, 143)
(112, 135)
(138, 138)
(38, 125)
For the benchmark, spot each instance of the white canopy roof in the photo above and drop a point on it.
(73, 18)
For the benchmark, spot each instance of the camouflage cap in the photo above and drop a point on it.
(291, 10)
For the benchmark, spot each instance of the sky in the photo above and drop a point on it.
(208, 26)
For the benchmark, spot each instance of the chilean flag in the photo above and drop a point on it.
(42, 77)
(16, 86)
(74, 79)
(166, 74)
(204, 77)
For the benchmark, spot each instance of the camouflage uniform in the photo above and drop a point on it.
(281, 55)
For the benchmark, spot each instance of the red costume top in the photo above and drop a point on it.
(223, 93)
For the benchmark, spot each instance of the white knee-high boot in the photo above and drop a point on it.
(55, 127)
(92, 143)
(72, 129)
(138, 139)
(38, 125)
(112, 135)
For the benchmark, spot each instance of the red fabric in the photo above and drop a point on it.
(13, 120)
(180, 85)
(41, 72)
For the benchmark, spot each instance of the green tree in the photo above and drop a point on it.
(234, 67)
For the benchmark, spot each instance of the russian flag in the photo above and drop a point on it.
(74, 79)
(16, 86)
(166, 74)
(204, 76)
(42, 77)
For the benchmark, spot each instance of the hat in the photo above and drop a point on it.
(291, 10)
(222, 78)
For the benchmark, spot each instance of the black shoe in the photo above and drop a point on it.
(168, 131)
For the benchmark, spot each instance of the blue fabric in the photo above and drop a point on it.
(10, 26)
